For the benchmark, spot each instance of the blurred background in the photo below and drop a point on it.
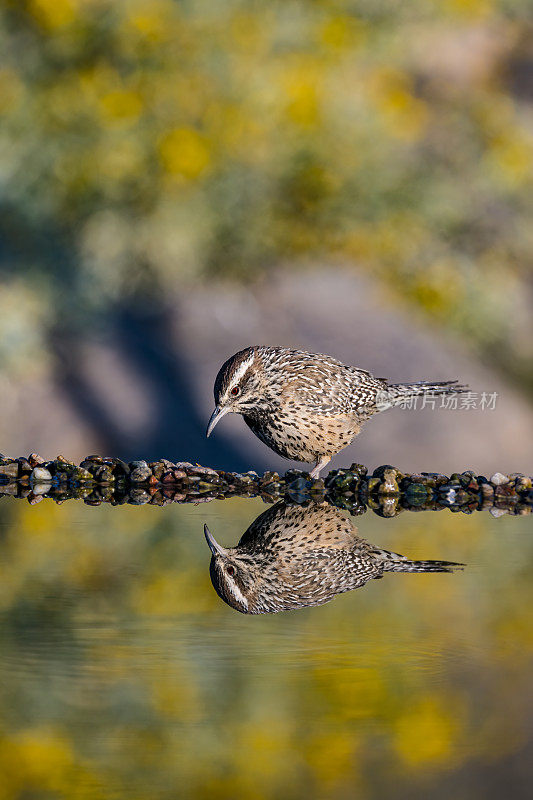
(182, 179)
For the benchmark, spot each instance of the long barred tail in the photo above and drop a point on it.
(398, 393)
(394, 562)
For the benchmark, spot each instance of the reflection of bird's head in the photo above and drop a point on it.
(233, 574)
(239, 386)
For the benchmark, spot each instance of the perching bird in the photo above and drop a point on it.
(307, 406)
(294, 556)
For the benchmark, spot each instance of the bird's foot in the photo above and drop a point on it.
(320, 464)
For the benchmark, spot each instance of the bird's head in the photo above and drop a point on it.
(239, 386)
(233, 575)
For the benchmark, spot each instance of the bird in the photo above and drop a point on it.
(293, 556)
(307, 406)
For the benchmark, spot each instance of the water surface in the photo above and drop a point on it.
(123, 674)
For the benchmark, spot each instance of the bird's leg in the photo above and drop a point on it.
(320, 464)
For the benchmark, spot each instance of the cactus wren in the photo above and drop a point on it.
(306, 406)
(294, 556)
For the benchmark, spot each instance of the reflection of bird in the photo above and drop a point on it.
(293, 556)
(306, 406)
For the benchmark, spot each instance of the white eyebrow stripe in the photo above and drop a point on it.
(241, 369)
(236, 592)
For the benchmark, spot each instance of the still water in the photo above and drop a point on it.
(123, 674)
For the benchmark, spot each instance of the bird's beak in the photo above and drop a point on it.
(214, 546)
(217, 414)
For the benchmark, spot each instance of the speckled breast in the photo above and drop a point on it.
(308, 438)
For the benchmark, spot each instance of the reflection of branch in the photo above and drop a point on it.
(387, 491)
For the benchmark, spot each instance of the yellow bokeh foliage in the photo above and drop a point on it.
(396, 142)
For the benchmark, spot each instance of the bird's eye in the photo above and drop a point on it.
(231, 570)
(235, 391)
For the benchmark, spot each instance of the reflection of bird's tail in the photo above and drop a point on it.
(394, 562)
